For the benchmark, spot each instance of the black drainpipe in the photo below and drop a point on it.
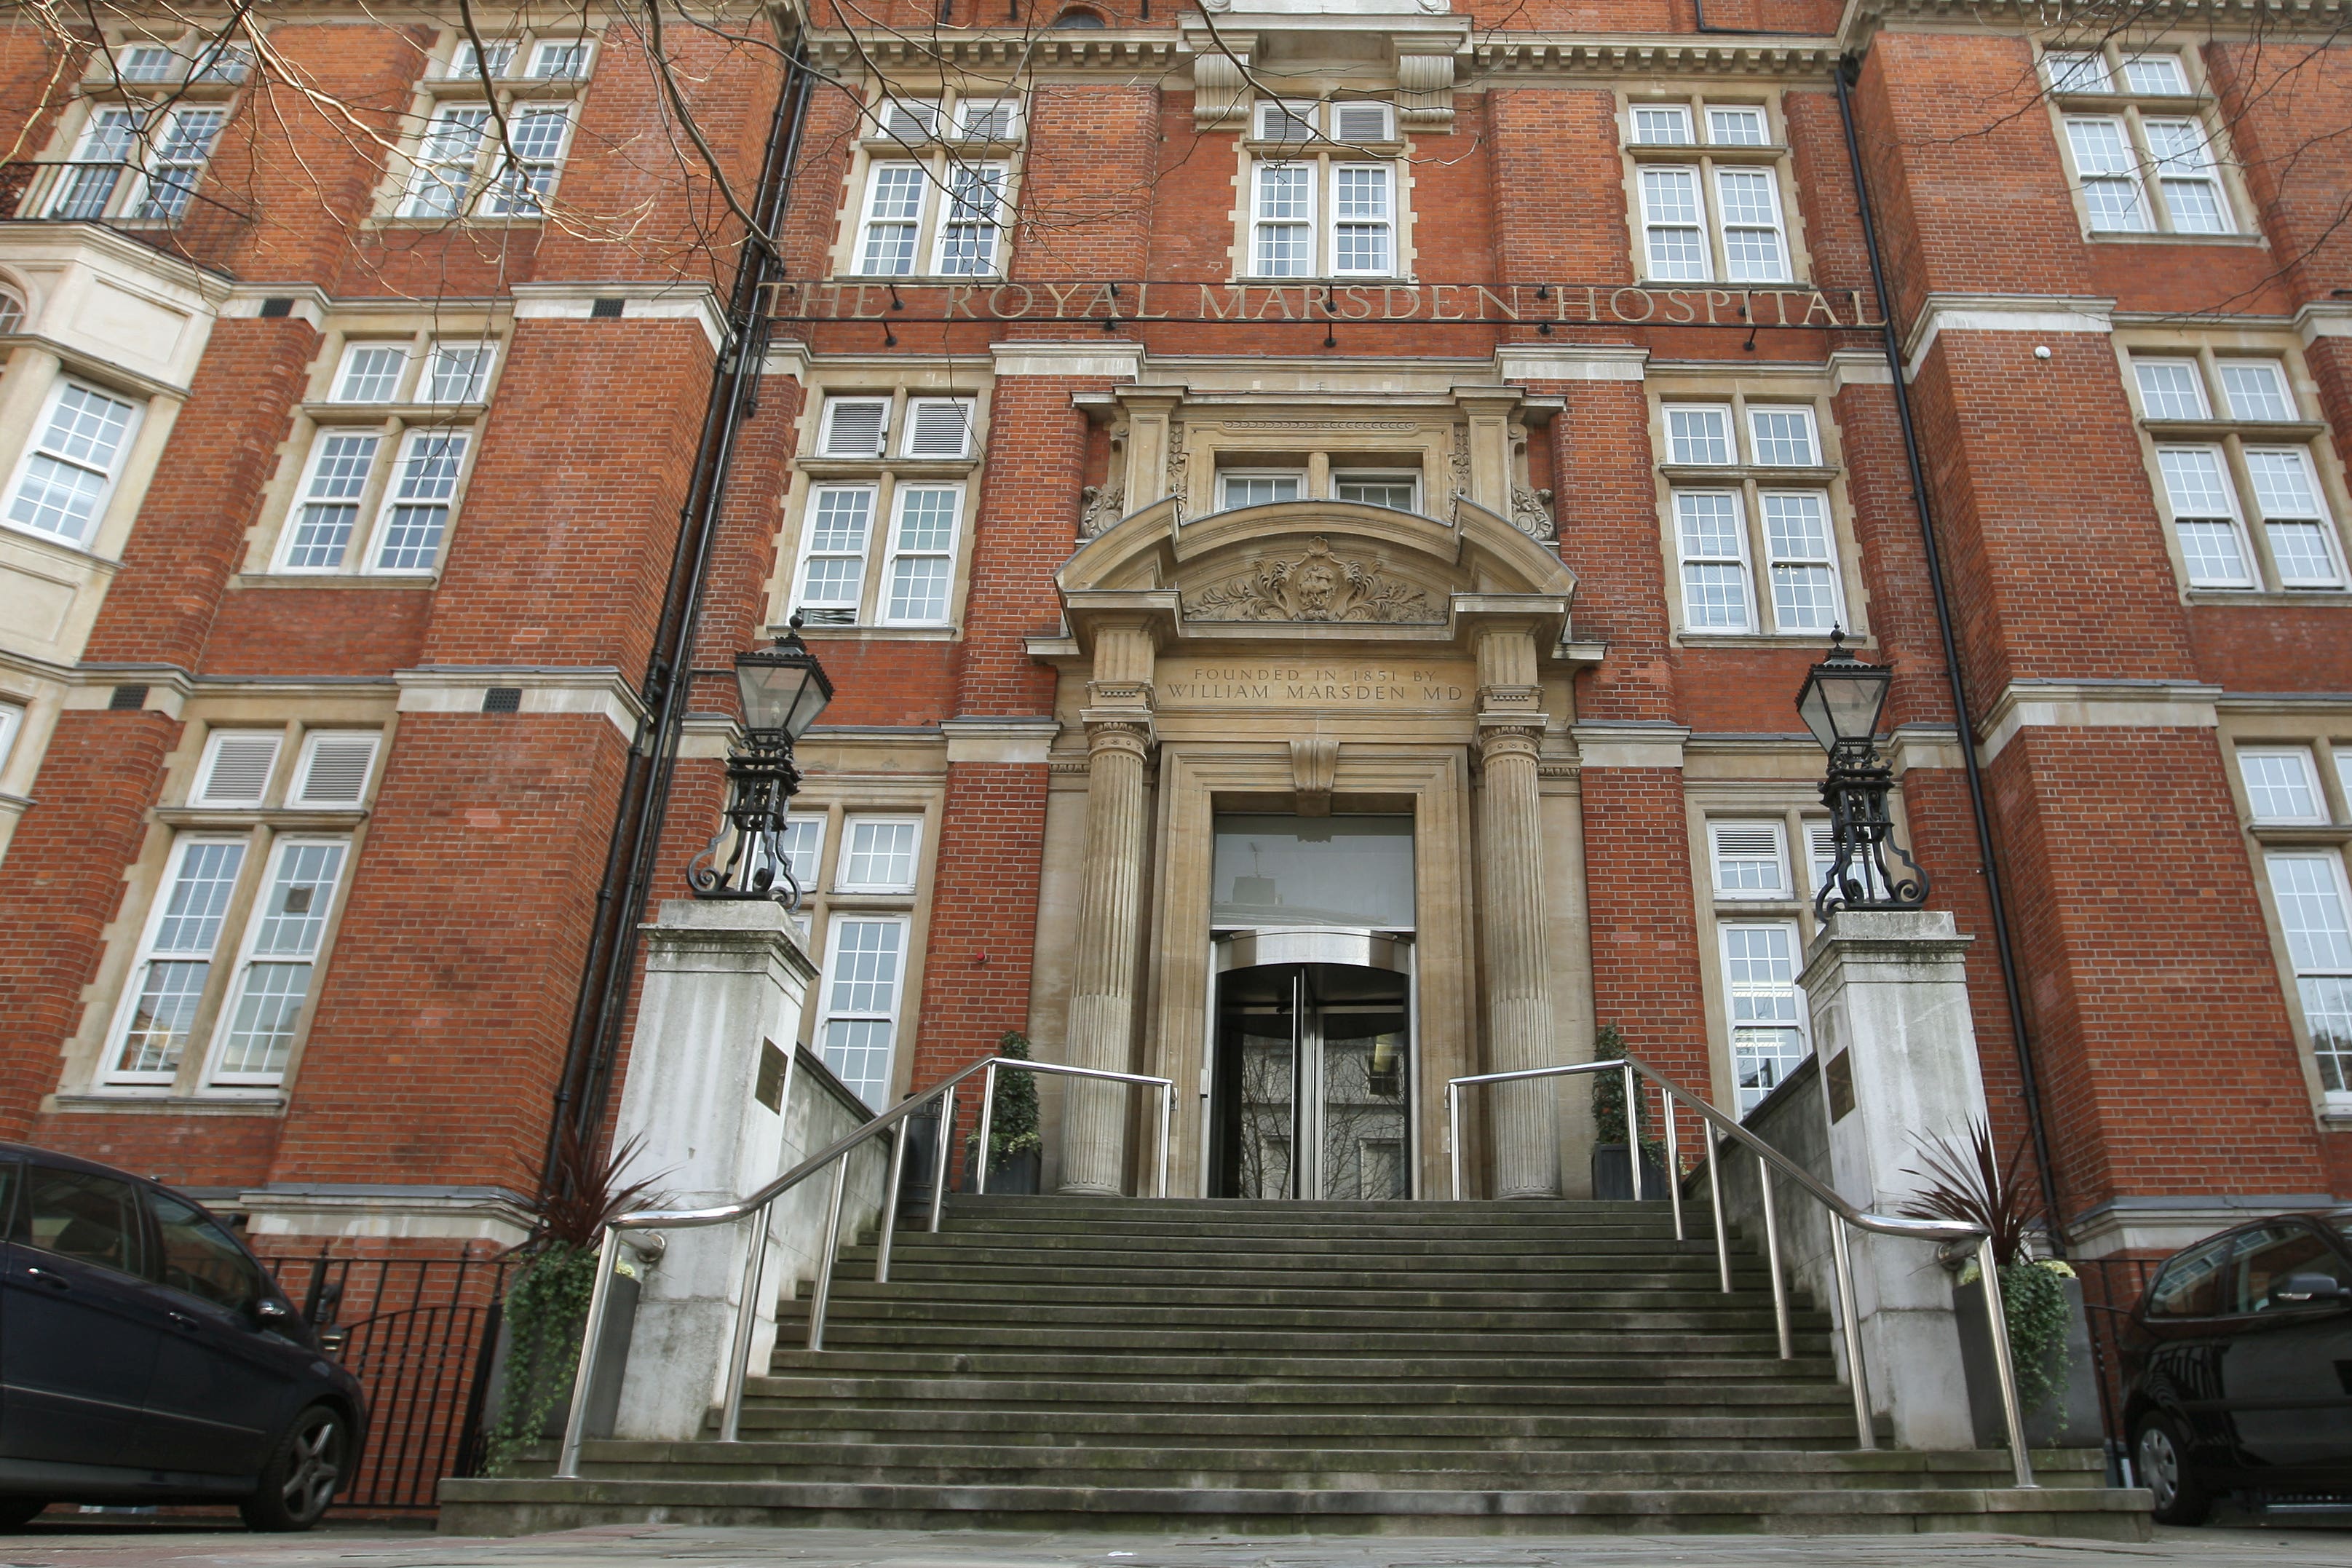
(1848, 70)
(585, 1082)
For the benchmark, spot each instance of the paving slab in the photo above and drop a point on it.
(74, 1544)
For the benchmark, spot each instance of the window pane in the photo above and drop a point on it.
(445, 161)
(2110, 174)
(199, 1260)
(460, 372)
(338, 474)
(198, 899)
(261, 1025)
(2077, 72)
(861, 994)
(423, 485)
(2310, 900)
(1715, 580)
(177, 163)
(2170, 389)
(1283, 191)
(2292, 517)
(2156, 74)
(1670, 210)
(1783, 437)
(371, 373)
(1699, 436)
(1667, 125)
(294, 913)
(2255, 389)
(1804, 589)
(1360, 236)
(1258, 490)
(1767, 1039)
(880, 855)
(1751, 225)
(2203, 515)
(57, 498)
(1736, 127)
(2280, 787)
(803, 840)
(927, 518)
(163, 1017)
(1396, 494)
(82, 1215)
(839, 521)
(1748, 860)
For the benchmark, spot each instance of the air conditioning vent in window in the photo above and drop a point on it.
(840, 616)
(1745, 843)
(939, 428)
(1286, 121)
(910, 121)
(338, 770)
(237, 770)
(1360, 122)
(986, 120)
(853, 428)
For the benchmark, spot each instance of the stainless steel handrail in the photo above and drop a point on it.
(1841, 1214)
(837, 1156)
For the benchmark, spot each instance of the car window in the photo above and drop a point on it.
(199, 1259)
(82, 1215)
(2190, 1285)
(2268, 1258)
(10, 1171)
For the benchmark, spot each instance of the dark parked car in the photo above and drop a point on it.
(145, 1357)
(2239, 1359)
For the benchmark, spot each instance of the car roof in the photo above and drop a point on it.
(70, 1162)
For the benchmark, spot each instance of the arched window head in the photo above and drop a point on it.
(1077, 17)
(12, 310)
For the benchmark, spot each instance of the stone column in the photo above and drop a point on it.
(1102, 989)
(1520, 1030)
(724, 981)
(1892, 1026)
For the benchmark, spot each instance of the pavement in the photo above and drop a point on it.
(83, 1542)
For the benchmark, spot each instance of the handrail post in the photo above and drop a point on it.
(1850, 1328)
(1167, 1129)
(890, 1203)
(1632, 1129)
(987, 1113)
(1997, 1316)
(1772, 1259)
(1454, 1136)
(939, 1161)
(1673, 1161)
(1715, 1202)
(575, 1420)
(823, 1291)
(739, 1356)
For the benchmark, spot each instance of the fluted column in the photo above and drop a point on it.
(1110, 905)
(1511, 908)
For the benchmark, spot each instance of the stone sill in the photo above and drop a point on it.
(334, 580)
(265, 1102)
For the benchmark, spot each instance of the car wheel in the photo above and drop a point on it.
(16, 1513)
(2160, 1454)
(301, 1477)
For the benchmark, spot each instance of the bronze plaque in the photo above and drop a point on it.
(1838, 1073)
(770, 1091)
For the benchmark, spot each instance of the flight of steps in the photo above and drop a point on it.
(1427, 1368)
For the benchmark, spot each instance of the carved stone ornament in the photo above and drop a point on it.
(1100, 506)
(1314, 586)
(1532, 512)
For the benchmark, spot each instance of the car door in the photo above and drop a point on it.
(83, 1327)
(224, 1385)
(2287, 1366)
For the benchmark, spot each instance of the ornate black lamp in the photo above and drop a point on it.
(1840, 703)
(783, 689)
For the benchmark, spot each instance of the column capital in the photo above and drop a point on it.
(1133, 734)
(1509, 740)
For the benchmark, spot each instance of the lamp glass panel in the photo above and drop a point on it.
(779, 696)
(1841, 703)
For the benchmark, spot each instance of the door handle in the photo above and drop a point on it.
(34, 1271)
(185, 1322)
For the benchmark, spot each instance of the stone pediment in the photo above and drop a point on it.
(1313, 569)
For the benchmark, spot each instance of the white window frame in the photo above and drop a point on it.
(135, 984)
(1751, 484)
(829, 432)
(256, 914)
(1706, 163)
(1801, 1024)
(1226, 476)
(2304, 764)
(850, 823)
(1408, 477)
(200, 792)
(2104, 93)
(519, 92)
(948, 206)
(297, 793)
(2333, 860)
(110, 476)
(863, 554)
(1718, 828)
(12, 724)
(1321, 159)
(828, 1015)
(917, 407)
(896, 549)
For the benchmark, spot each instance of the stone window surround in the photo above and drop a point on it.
(1741, 387)
(2323, 731)
(2284, 348)
(89, 1051)
(872, 146)
(898, 381)
(436, 87)
(281, 496)
(846, 794)
(1774, 155)
(2127, 105)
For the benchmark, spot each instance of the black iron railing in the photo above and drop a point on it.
(419, 1334)
(2110, 1289)
(160, 206)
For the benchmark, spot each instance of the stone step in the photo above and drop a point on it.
(516, 1506)
(1104, 1254)
(1629, 1365)
(1813, 1426)
(1318, 1468)
(1643, 1230)
(1779, 1391)
(846, 1333)
(1180, 1287)
(859, 1300)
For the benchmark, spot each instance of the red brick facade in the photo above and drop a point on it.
(2111, 694)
